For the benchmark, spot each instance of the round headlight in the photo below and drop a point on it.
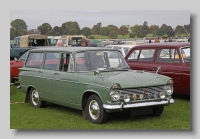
(114, 95)
(162, 95)
(168, 90)
(127, 98)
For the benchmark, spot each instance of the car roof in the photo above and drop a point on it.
(165, 44)
(68, 49)
(121, 45)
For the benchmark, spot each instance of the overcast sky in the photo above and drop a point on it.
(35, 18)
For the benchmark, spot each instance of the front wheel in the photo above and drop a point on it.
(35, 99)
(158, 111)
(95, 111)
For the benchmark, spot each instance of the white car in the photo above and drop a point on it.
(123, 48)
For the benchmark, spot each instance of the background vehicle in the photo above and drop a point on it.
(25, 42)
(123, 48)
(173, 57)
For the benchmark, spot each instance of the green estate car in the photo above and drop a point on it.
(87, 79)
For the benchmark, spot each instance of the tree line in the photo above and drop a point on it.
(19, 27)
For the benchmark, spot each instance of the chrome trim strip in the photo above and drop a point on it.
(145, 104)
(185, 74)
(65, 80)
(93, 85)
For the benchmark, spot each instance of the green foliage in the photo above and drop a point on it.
(123, 30)
(45, 28)
(91, 37)
(96, 29)
(113, 34)
(86, 31)
(13, 33)
(104, 31)
(153, 28)
(179, 29)
(171, 33)
(19, 26)
(70, 28)
(135, 30)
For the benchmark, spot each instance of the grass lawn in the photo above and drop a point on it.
(24, 116)
(106, 37)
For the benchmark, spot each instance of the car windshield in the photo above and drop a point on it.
(100, 60)
(185, 52)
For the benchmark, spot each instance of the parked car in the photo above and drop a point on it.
(123, 48)
(173, 57)
(18, 63)
(22, 43)
(84, 78)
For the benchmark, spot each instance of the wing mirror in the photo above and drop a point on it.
(158, 69)
(15, 58)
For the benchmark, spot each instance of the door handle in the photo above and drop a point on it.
(56, 73)
(40, 71)
(154, 66)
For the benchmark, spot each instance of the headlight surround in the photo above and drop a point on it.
(169, 90)
(127, 98)
(115, 95)
(170, 81)
(116, 86)
(162, 95)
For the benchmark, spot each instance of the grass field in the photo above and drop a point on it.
(106, 37)
(24, 116)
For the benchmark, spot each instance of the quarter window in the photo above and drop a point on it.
(35, 60)
(146, 55)
(51, 61)
(168, 56)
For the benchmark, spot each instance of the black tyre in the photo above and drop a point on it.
(12, 80)
(158, 111)
(35, 99)
(95, 111)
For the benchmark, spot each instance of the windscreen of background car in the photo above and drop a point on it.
(99, 60)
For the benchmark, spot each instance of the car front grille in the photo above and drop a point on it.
(147, 93)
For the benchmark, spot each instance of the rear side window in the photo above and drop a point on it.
(35, 60)
(51, 61)
(168, 56)
(146, 55)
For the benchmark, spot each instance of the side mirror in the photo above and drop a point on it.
(158, 69)
(15, 58)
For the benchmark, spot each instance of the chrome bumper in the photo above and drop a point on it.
(144, 104)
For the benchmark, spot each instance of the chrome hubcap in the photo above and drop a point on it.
(35, 97)
(94, 109)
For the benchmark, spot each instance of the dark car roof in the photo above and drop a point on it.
(168, 44)
(69, 49)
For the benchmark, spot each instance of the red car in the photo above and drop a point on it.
(15, 64)
(172, 57)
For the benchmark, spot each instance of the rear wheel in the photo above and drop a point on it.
(95, 111)
(158, 111)
(12, 80)
(35, 99)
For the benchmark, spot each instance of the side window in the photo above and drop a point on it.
(51, 61)
(134, 55)
(146, 55)
(35, 60)
(168, 56)
(66, 63)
